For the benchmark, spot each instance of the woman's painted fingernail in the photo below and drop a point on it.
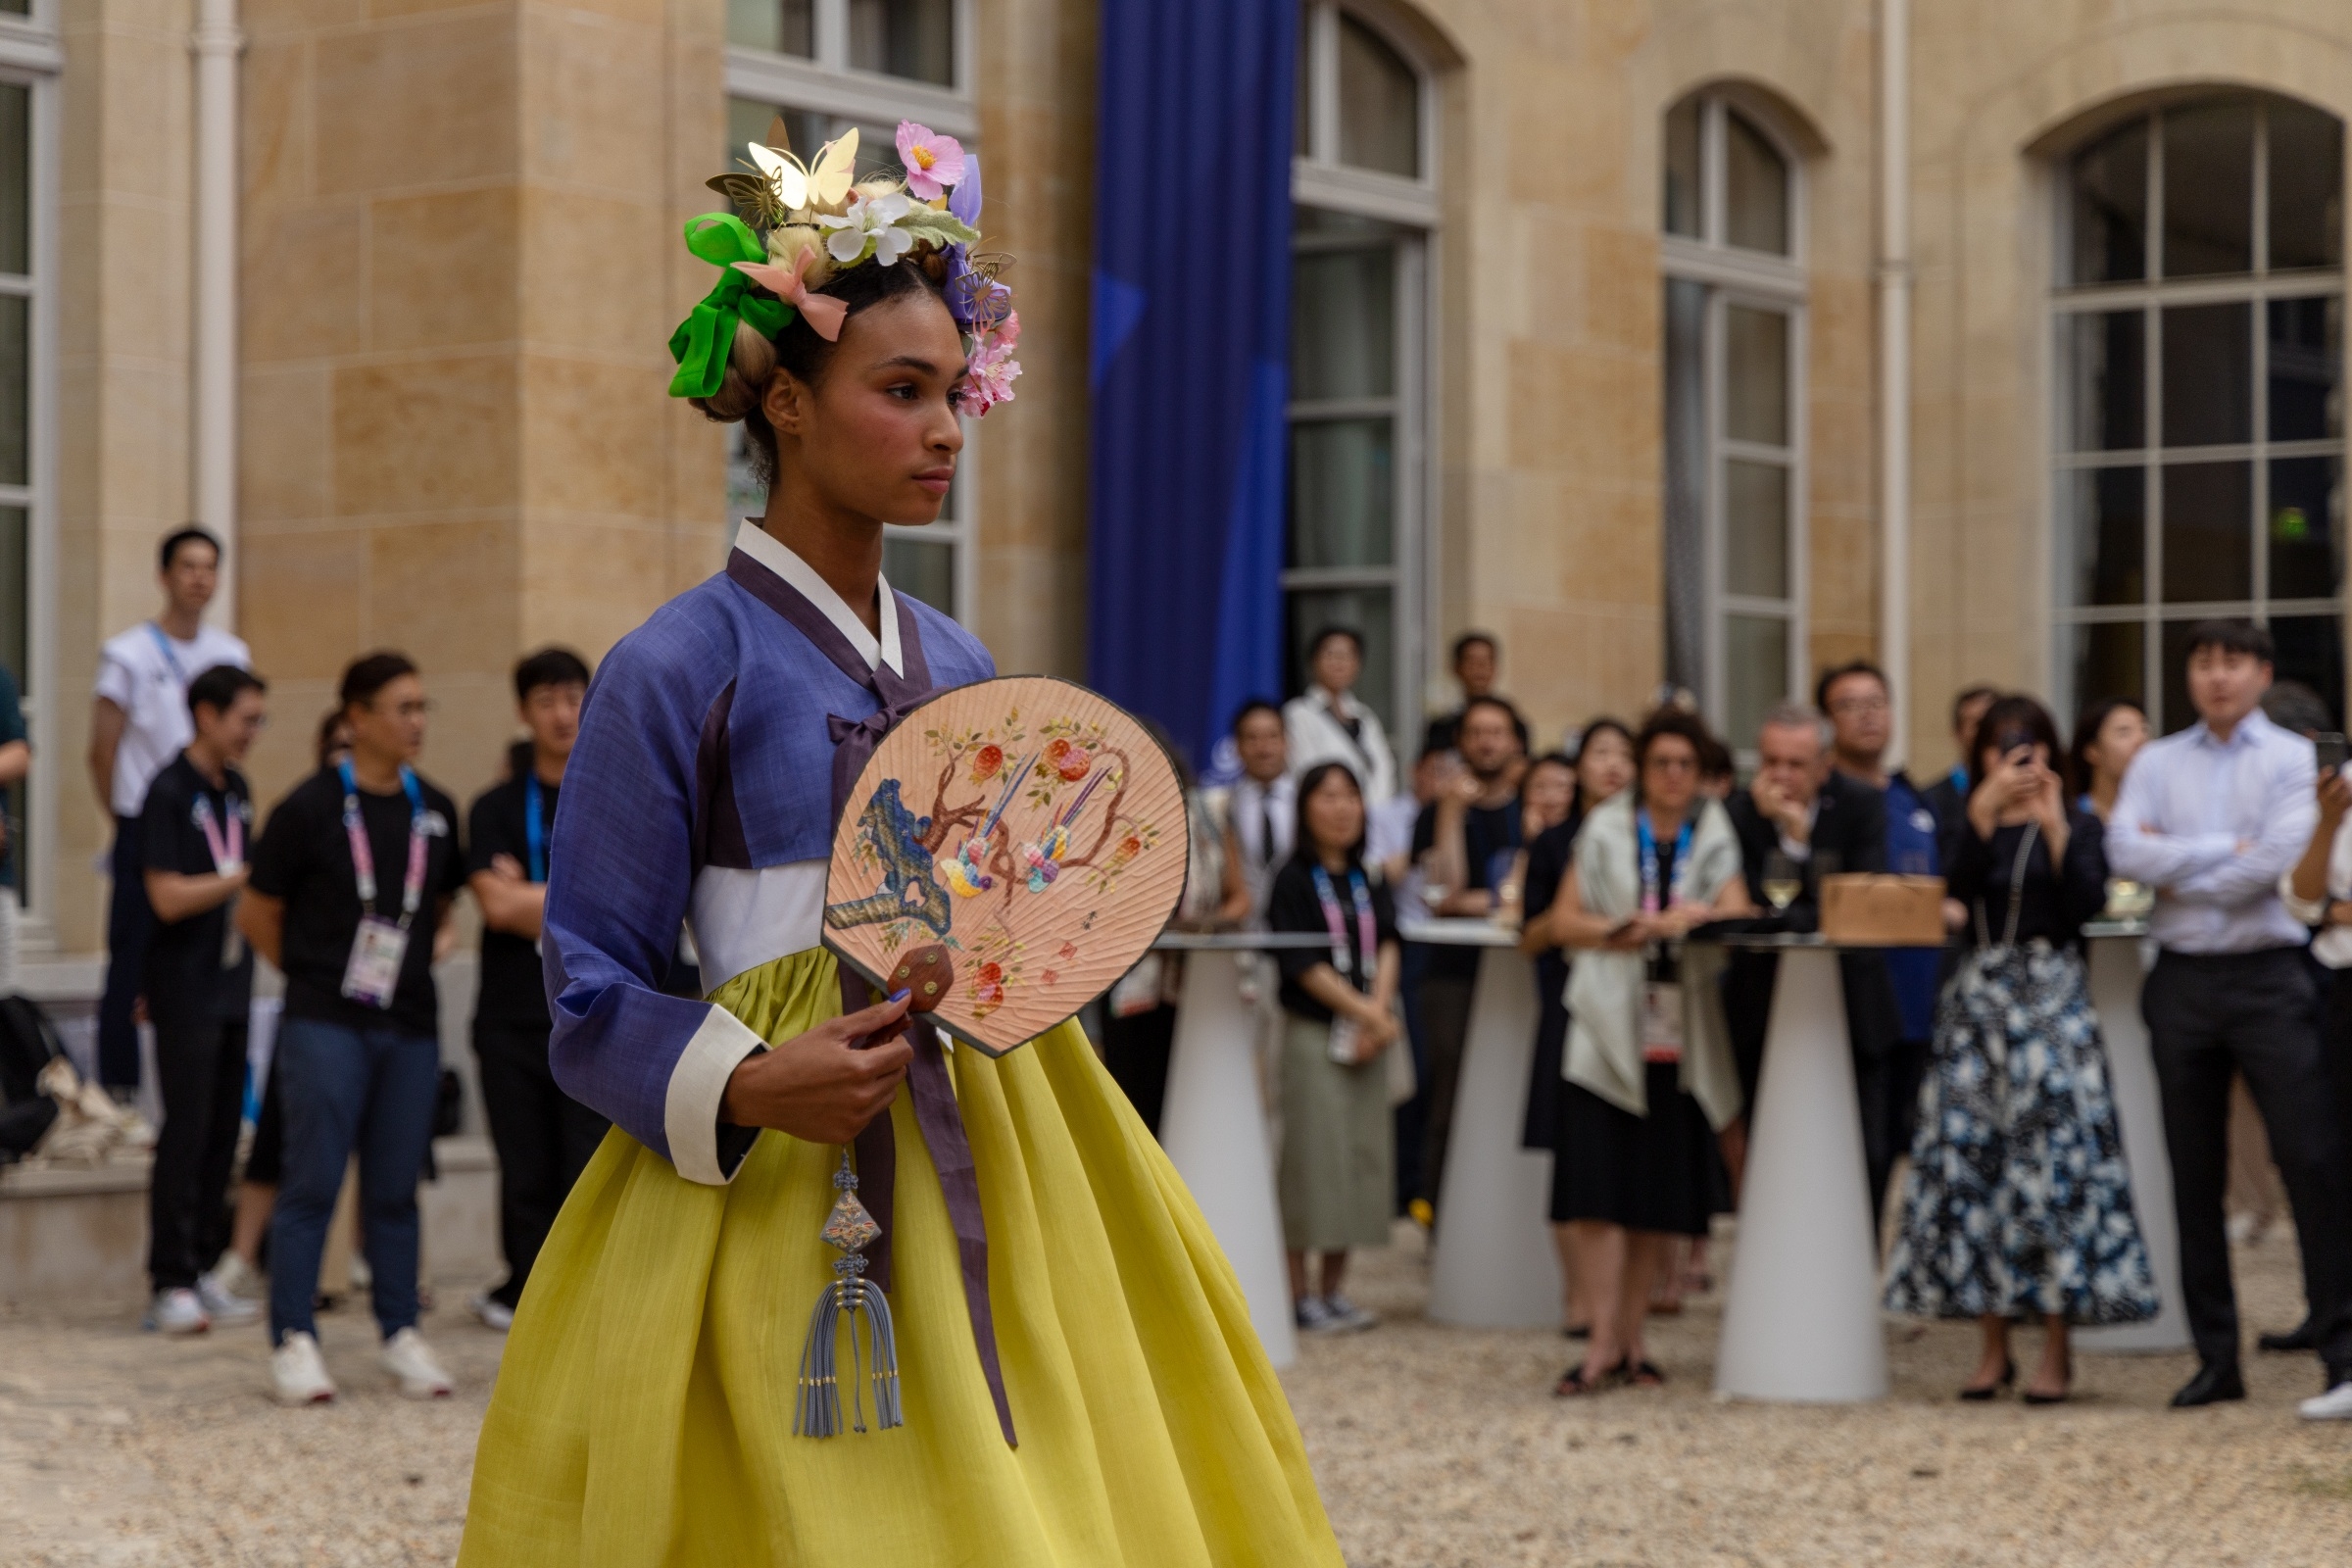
(900, 995)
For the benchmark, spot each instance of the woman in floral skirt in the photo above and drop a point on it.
(2018, 1204)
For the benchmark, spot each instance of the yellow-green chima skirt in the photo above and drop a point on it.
(643, 1414)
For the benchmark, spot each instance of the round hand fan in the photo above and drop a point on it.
(1010, 850)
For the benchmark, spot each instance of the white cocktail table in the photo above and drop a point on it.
(1801, 1316)
(1212, 1122)
(1493, 1264)
(2115, 976)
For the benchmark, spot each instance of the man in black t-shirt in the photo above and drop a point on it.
(197, 975)
(352, 882)
(1472, 830)
(544, 1137)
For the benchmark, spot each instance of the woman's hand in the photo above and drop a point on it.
(2336, 798)
(819, 1086)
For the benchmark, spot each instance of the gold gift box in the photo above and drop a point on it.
(1881, 910)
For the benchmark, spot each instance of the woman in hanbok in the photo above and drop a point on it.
(1077, 1379)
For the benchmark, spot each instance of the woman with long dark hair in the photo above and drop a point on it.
(2108, 735)
(2019, 1203)
(1604, 766)
(1340, 1016)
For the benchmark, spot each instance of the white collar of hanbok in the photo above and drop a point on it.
(777, 556)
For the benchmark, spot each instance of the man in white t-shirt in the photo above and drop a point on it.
(138, 724)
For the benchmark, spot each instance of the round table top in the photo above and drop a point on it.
(2134, 929)
(1174, 941)
(1785, 940)
(1458, 931)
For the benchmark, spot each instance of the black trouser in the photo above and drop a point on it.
(200, 1069)
(1888, 1082)
(1444, 1031)
(2208, 1016)
(1136, 1051)
(130, 921)
(2336, 1043)
(544, 1140)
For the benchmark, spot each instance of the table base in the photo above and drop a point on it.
(2115, 983)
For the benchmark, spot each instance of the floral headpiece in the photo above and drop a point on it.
(807, 222)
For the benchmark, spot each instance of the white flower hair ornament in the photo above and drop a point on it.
(795, 226)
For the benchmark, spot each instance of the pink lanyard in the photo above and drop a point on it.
(1367, 931)
(362, 858)
(229, 852)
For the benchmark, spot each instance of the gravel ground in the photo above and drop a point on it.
(1436, 1447)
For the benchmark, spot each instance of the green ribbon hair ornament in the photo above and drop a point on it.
(701, 343)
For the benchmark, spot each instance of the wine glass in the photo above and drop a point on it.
(1782, 882)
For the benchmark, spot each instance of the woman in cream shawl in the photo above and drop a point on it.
(1649, 1069)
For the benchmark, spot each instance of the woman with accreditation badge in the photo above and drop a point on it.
(996, 1331)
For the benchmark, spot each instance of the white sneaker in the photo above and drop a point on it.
(176, 1312)
(223, 1304)
(297, 1372)
(495, 1314)
(236, 1277)
(1313, 1317)
(1346, 1316)
(412, 1364)
(2333, 1405)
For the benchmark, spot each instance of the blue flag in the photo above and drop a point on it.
(1189, 369)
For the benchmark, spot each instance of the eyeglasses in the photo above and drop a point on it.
(411, 710)
(1858, 705)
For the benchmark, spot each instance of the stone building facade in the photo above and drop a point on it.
(1599, 289)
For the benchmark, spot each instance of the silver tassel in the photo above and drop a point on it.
(816, 1413)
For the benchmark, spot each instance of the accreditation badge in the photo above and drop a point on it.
(373, 972)
(1662, 1022)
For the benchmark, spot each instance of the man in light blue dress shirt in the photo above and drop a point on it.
(2212, 817)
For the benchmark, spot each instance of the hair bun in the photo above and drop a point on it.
(751, 363)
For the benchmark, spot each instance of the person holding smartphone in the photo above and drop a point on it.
(1340, 1016)
(2019, 1202)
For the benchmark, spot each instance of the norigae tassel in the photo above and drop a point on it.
(816, 1414)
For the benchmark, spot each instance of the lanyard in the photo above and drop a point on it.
(1649, 864)
(362, 858)
(534, 827)
(228, 852)
(162, 645)
(1367, 932)
(1959, 780)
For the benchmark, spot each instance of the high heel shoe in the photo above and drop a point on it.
(1982, 1393)
(2031, 1396)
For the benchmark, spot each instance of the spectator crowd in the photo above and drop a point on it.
(1618, 863)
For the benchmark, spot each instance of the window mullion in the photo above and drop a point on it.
(832, 28)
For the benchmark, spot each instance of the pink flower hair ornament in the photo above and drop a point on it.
(785, 229)
(823, 313)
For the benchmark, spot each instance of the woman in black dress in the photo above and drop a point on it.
(1604, 765)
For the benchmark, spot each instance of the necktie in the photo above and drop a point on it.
(1265, 829)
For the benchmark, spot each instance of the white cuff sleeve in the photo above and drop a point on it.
(1798, 852)
(2307, 912)
(697, 1085)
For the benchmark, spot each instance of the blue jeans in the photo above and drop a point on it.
(370, 1089)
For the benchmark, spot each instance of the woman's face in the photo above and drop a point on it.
(877, 435)
(1670, 774)
(1335, 815)
(2121, 734)
(1549, 790)
(1337, 665)
(1605, 765)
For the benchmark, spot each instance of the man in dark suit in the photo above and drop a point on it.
(1827, 823)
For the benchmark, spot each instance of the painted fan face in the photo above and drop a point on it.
(1029, 830)
(824, 184)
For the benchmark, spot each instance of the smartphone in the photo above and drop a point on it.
(2330, 749)
(2014, 741)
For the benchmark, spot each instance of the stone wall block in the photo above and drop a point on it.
(304, 600)
(426, 435)
(591, 104)
(416, 104)
(592, 435)
(311, 262)
(445, 592)
(283, 441)
(442, 269)
(596, 280)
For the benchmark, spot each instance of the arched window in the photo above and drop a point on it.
(1735, 489)
(1358, 409)
(2198, 315)
(824, 66)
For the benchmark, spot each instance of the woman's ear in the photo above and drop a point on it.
(786, 404)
